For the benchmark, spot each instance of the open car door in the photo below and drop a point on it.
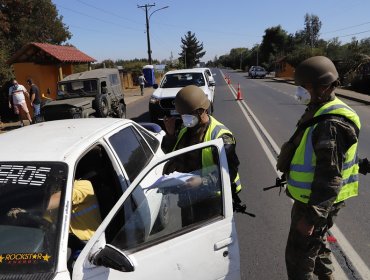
(169, 224)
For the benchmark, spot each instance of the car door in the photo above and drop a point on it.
(199, 242)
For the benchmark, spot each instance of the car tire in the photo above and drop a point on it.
(163, 215)
(101, 105)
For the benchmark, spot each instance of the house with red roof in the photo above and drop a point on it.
(46, 64)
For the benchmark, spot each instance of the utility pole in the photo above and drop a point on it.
(146, 6)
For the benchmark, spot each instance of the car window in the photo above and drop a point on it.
(96, 166)
(182, 80)
(161, 207)
(132, 150)
(29, 227)
(152, 141)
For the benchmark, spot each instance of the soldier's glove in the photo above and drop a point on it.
(364, 166)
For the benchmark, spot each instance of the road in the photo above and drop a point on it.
(261, 123)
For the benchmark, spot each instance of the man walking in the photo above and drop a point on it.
(321, 167)
(142, 82)
(17, 92)
(35, 100)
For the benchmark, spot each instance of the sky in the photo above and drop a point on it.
(116, 29)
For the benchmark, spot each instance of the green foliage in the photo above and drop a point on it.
(192, 50)
(25, 21)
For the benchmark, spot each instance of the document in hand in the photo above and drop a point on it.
(174, 179)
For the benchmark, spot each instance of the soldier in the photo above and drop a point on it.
(321, 167)
(192, 103)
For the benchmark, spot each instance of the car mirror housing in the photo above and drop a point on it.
(212, 83)
(112, 257)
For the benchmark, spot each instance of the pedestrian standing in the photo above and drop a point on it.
(35, 100)
(142, 82)
(321, 167)
(18, 94)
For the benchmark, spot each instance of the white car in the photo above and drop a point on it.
(161, 102)
(257, 72)
(142, 234)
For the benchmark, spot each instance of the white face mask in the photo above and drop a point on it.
(302, 95)
(189, 120)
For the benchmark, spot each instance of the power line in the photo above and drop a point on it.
(96, 18)
(107, 12)
(349, 27)
(353, 34)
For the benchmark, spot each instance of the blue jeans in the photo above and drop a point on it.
(36, 110)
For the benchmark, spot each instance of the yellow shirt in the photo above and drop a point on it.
(85, 218)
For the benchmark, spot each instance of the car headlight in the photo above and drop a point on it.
(154, 100)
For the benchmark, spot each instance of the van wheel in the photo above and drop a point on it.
(101, 105)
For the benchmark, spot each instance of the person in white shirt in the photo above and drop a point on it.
(142, 82)
(18, 92)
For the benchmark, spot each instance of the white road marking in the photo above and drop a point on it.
(349, 251)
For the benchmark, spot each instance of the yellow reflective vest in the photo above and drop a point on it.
(215, 130)
(303, 164)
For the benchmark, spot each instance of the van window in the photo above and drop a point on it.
(113, 78)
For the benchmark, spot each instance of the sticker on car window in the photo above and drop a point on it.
(23, 174)
(24, 258)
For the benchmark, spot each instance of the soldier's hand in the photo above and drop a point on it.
(169, 123)
(304, 228)
(193, 182)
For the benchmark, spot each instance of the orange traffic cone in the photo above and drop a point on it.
(239, 95)
(228, 80)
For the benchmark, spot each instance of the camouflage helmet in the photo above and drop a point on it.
(191, 98)
(316, 70)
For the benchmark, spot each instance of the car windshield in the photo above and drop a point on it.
(182, 79)
(77, 88)
(30, 195)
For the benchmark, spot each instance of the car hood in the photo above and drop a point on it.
(171, 92)
(78, 102)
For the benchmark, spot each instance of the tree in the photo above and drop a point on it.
(273, 45)
(25, 21)
(312, 29)
(192, 50)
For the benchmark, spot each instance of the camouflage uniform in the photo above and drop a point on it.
(306, 255)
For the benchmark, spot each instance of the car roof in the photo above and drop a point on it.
(181, 71)
(92, 74)
(55, 140)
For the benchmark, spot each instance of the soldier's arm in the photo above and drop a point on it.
(232, 158)
(330, 140)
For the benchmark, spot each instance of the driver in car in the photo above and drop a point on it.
(85, 216)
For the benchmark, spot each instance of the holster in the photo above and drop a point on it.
(285, 157)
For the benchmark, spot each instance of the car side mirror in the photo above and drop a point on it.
(112, 257)
(212, 83)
